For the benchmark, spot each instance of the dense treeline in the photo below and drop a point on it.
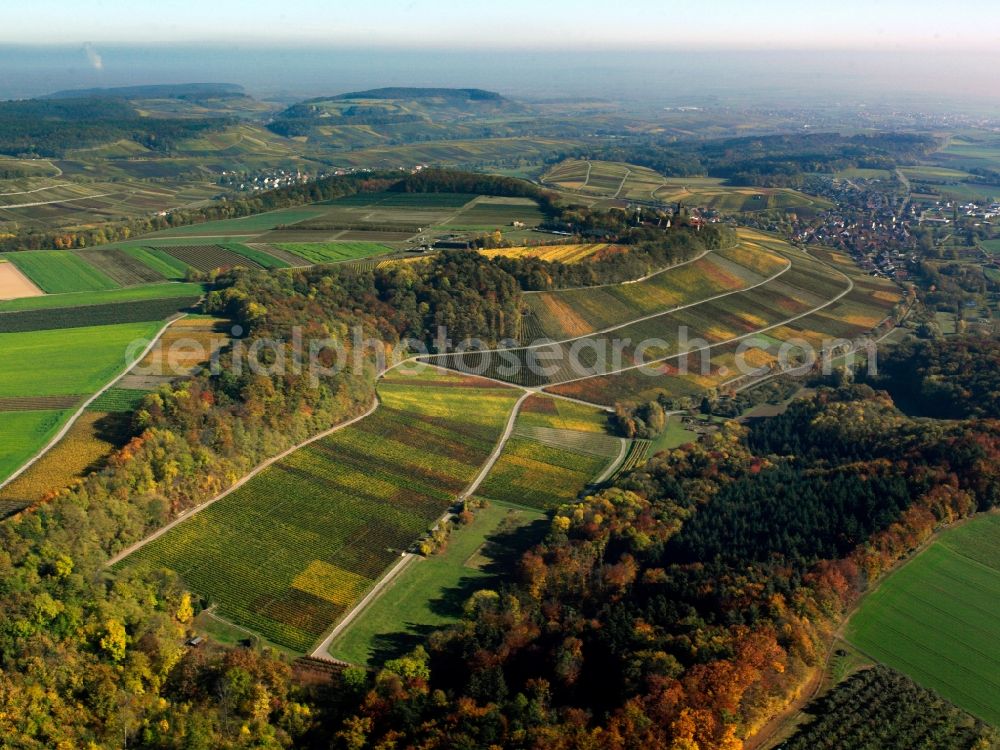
(457, 291)
(769, 161)
(474, 183)
(51, 127)
(895, 714)
(952, 286)
(630, 627)
(952, 378)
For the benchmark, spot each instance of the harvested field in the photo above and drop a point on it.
(14, 284)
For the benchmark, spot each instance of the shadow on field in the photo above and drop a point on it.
(498, 559)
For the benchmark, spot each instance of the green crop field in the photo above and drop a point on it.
(990, 246)
(94, 315)
(246, 226)
(469, 152)
(56, 271)
(84, 299)
(935, 619)
(334, 252)
(603, 179)
(339, 511)
(22, 434)
(74, 361)
(430, 592)
(932, 174)
(674, 435)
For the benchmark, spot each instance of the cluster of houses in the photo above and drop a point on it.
(271, 179)
(869, 223)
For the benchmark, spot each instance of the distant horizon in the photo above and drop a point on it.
(738, 77)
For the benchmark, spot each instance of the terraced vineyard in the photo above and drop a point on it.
(337, 512)
(730, 334)
(94, 315)
(574, 312)
(605, 179)
(188, 344)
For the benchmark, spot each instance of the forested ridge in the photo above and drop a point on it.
(952, 378)
(51, 127)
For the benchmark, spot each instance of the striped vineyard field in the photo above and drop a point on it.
(574, 312)
(558, 448)
(712, 322)
(541, 475)
(289, 552)
(638, 452)
(209, 257)
(121, 267)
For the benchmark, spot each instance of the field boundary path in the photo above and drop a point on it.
(408, 558)
(501, 444)
(615, 462)
(79, 412)
(321, 651)
(246, 478)
(37, 190)
(628, 173)
(64, 200)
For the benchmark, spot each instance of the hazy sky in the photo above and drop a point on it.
(878, 24)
